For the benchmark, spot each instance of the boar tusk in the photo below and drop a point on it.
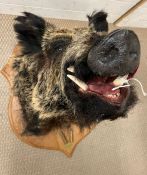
(80, 83)
(127, 85)
(71, 69)
(120, 80)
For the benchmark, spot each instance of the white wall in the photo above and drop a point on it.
(77, 9)
(136, 19)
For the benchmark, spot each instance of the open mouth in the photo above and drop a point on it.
(104, 87)
(113, 90)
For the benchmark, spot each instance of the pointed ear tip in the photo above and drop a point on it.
(105, 14)
(23, 14)
(26, 13)
(100, 14)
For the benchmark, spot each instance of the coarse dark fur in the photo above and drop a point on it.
(48, 98)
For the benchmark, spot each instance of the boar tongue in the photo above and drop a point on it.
(102, 86)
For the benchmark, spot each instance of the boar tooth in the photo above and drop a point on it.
(127, 85)
(120, 80)
(118, 94)
(71, 69)
(80, 83)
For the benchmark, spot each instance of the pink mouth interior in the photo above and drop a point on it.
(102, 86)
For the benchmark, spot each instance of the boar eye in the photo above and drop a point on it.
(58, 45)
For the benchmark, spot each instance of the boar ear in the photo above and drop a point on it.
(98, 22)
(30, 29)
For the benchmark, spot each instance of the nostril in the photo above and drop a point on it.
(133, 55)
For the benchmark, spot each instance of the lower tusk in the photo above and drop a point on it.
(127, 85)
(120, 81)
(71, 69)
(80, 83)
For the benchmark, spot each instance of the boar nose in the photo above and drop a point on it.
(118, 53)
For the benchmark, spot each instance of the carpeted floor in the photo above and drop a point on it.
(113, 148)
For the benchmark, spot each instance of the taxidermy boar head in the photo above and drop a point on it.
(71, 76)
